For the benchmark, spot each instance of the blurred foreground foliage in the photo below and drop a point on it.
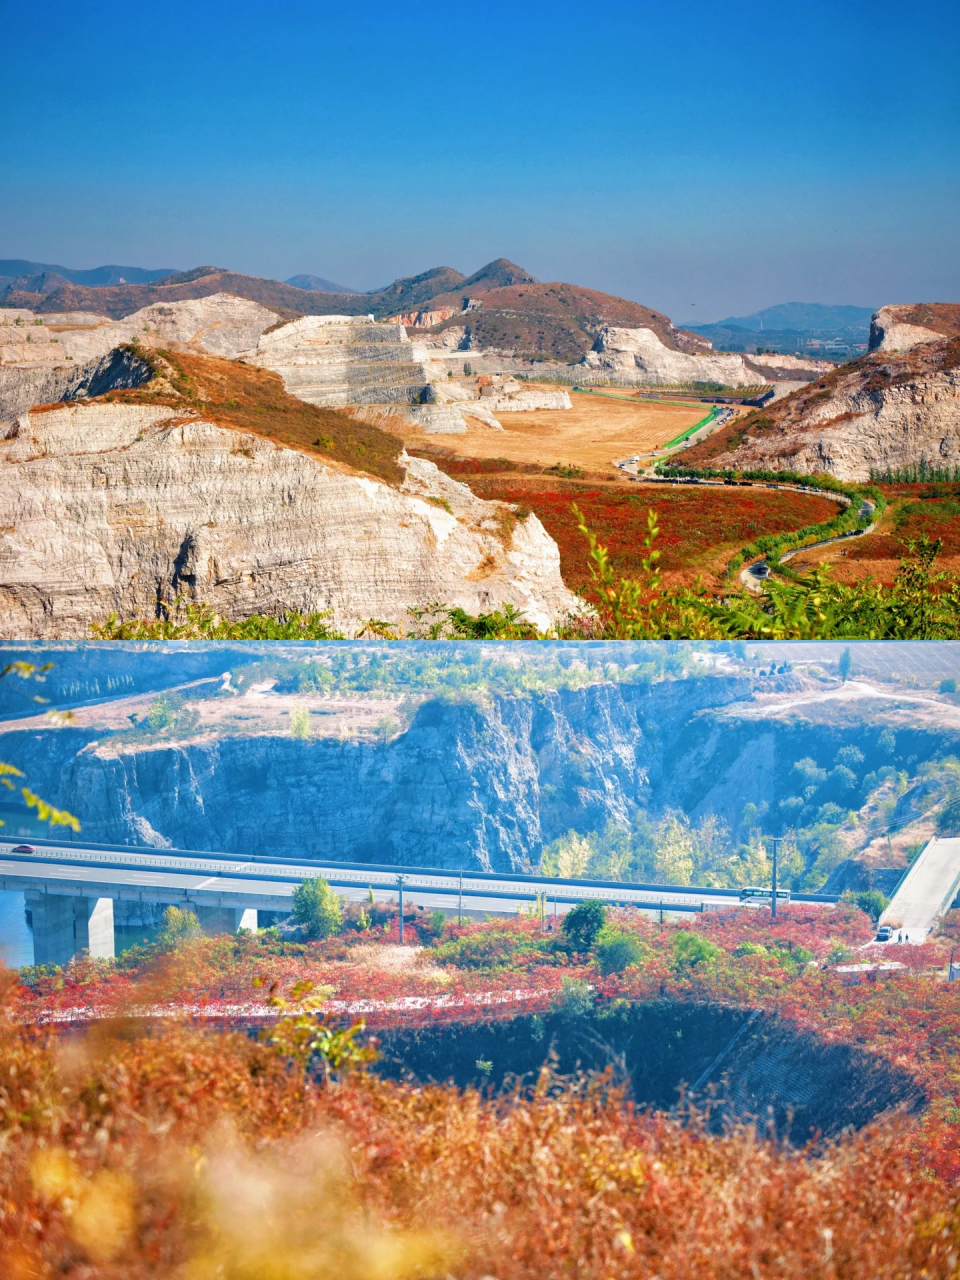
(168, 1150)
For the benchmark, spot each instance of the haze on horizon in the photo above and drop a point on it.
(706, 161)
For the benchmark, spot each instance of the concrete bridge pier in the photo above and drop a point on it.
(216, 920)
(63, 926)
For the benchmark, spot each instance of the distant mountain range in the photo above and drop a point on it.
(96, 278)
(801, 317)
(813, 327)
(518, 313)
(510, 310)
(318, 285)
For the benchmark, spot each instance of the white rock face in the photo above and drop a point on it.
(219, 325)
(792, 368)
(889, 333)
(869, 423)
(341, 360)
(109, 507)
(638, 356)
(43, 362)
(505, 394)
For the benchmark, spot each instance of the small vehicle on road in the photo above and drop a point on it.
(884, 933)
(23, 848)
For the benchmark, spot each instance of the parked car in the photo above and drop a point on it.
(884, 933)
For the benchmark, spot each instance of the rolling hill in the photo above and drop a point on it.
(509, 311)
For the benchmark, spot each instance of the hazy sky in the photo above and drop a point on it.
(705, 159)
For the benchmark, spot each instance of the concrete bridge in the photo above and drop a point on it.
(70, 889)
(926, 891)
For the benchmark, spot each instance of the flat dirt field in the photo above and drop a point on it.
(915, 509)
(595, 433)
(700, 529)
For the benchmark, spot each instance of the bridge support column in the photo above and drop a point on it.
(93, 926)
(53, 939)
(64, 926)
(215, 920)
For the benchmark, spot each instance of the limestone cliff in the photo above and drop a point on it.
(639, 356)
(483, 781)
(120, 507)
(886, 411)
(64, 356)
(899, 327)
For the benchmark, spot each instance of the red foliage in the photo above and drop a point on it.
(698, 529)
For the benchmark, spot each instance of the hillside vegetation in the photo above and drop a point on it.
(238, 395)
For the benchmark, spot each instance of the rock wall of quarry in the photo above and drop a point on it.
(342, 360)
(638, 356)
(894, 328)
(481, 783)
(111, 508)
(864, 425)
(220, 325)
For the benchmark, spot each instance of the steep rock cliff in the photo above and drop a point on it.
(884, 411)
(484, 783)
(639, 356)
(114, 507)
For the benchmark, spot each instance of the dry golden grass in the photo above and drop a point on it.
(595, 433)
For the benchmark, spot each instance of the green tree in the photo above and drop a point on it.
(300, 723)
(160, 715)
(316, 908)
(948, 821)
(179, 928)
(949, 685)
(582, 925)
(845, 663)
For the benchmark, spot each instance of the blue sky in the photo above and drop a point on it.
(705, 159)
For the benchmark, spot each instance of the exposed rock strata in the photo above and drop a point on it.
(885, 411)
(899, 327)
(481, 783)
(110, 507)
(639, 356)
(504, 394)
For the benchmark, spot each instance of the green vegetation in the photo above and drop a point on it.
(582, 926)
(871, 901)
(317, 909)
(179, 928)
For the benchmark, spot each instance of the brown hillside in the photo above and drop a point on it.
(238, 395)
(775, 435)
(556, 320)
(941, 317)
(117, 301)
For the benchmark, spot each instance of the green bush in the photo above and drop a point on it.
(750, 949)
(574, 1000)
(582, 925)
(317, 909)
(692, 949)
(871, 901)
(616, 951)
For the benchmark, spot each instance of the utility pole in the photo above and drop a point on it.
(460, 901)
(774, 840)
(400, 880)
